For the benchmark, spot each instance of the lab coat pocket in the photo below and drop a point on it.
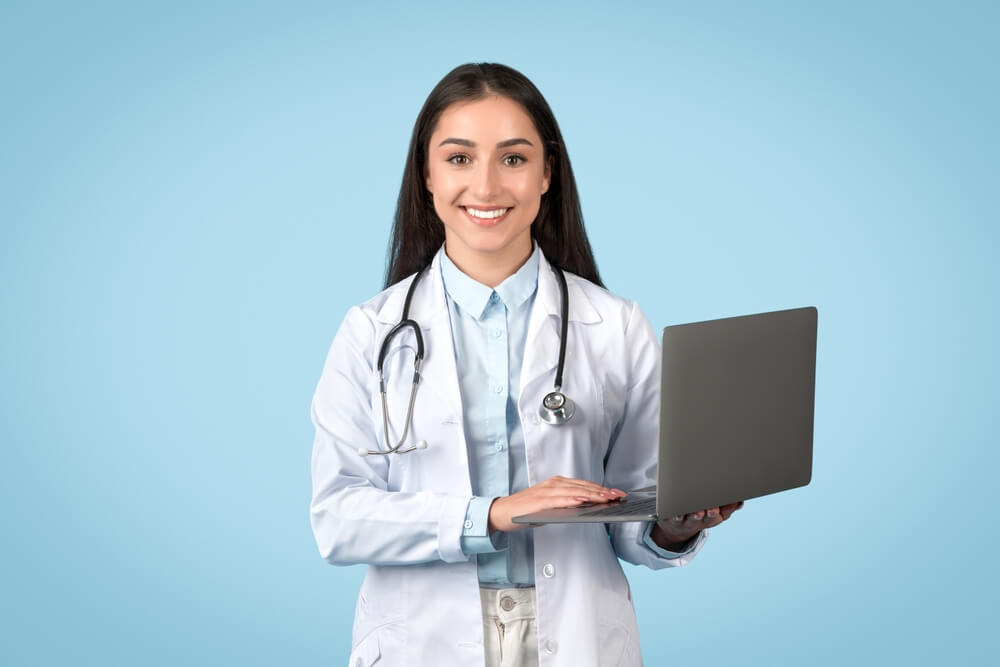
(615, 641)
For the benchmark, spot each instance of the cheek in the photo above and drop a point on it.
(529, 191)
(439, 181)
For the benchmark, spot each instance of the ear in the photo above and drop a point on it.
(427, 180)
(547, 176)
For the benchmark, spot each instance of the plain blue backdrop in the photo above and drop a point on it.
(193, 195)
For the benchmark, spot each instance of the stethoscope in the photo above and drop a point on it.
(556, 408)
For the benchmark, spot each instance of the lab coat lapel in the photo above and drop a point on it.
(541, 353)
(439, 374)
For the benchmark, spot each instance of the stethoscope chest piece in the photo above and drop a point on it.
(556, 408)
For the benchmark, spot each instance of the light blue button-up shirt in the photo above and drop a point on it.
(489, 328)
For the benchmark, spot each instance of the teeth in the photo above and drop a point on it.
(487, 215)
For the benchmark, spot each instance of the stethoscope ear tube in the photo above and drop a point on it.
(392, 332)
(563, 326)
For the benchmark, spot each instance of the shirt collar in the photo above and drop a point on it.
(473, 297)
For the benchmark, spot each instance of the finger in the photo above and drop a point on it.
(568, 501)
(585, 486)
(594, 486)
(727, 510)
(587, 497)
(563, 496)
(712, 520)
(709, 517)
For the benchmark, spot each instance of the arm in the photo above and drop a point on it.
(631, 459)
(355, 518)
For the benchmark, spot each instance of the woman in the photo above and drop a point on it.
(487, 206)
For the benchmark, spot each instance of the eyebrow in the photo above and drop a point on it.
(502, 144)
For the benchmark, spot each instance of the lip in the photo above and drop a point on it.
(488, 222)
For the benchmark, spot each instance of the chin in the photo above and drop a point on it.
(493, 241)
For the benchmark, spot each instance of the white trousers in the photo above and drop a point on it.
(510, 627)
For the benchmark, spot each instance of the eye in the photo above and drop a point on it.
(459, 159)
(514, 160)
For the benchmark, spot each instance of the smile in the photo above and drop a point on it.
(486, 217)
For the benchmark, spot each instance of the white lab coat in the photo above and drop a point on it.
(403, 514)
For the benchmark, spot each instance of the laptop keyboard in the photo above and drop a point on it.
(644, 506)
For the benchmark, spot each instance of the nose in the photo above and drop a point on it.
(486, 185)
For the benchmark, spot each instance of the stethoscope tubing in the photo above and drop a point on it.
(556, 408)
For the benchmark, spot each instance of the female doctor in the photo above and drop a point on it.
(421, 482)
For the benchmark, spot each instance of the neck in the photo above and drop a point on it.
(490, 269)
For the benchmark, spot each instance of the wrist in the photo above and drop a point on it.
(670, 542)
(493, 516)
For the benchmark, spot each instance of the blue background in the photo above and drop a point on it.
(193, 196)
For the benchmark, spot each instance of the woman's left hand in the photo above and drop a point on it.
(675, 531)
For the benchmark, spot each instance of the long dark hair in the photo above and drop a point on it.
(417, 232)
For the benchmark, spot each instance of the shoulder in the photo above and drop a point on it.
(366, 321)
(383, 307)
(614, 310)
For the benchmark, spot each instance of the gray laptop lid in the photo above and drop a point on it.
(736, 409)
(736, 417)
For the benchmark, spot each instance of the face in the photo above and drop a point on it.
(486, 170)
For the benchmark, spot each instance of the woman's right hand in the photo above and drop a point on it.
(553, 493)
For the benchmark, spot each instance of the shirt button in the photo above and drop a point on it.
(498, 389)
(497, 333)
(498, 446)
(551, 646)
(494, 297)
(468, 523)
(549, 570)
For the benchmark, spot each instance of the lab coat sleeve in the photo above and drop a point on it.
(631, 459)
(355, 518)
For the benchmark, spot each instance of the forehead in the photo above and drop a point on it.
(490, 120)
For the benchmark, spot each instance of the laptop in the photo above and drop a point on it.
(736, 418)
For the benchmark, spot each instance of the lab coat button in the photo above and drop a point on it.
(507, 603)
(551, 646)
(549, 570)
(468, 523)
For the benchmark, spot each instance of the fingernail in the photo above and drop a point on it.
(712, 514)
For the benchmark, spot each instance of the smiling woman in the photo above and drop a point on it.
(489, 217)
(494, 124)
(487, 172)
